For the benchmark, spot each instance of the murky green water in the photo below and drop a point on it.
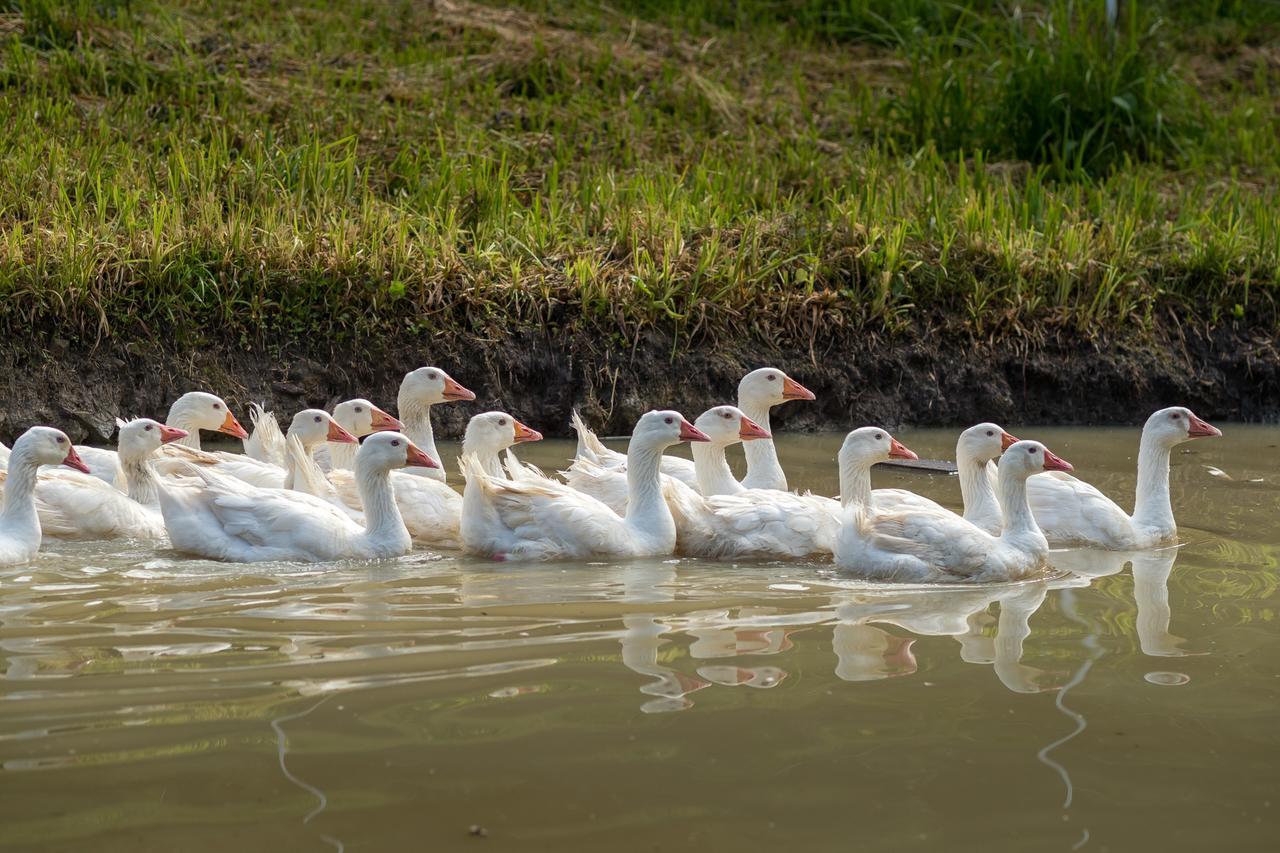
(154, 703)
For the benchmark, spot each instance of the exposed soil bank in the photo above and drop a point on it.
(934, 376)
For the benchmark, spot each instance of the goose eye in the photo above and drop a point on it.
(317, 419)
(359, 410)
(1031, 450)
(726, 416)
(772, 377)
(879, 437)
(670, 421)
(217, 405)
(502, 421)
(147, 427)
(61, 440)
(990, 433)
(1176, 416)
(431, 375)
(395, 442)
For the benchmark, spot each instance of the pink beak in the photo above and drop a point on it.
(168, 434)
(73, 460)
(416, 458)
(381, 420)
(748, 430)
(338, 434)
(1055, 463)
(793, 390)
(898, 450)
(524, 433)
(454, 391)
(689, 432)
(1202, 429)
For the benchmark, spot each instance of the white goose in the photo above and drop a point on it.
(927, 545)
(431, 509)
(77, 506)
(420, 390)
(528, 519)
(770, 523)
(223, 518)
(976, 450)
(1072, 512)
(19, 524)
(758, 392)
(192, 412)
(360, 418)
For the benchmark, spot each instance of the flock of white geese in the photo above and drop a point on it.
(317, 493)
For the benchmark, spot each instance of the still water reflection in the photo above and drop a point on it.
(1126, 702)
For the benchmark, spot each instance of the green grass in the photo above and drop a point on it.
(276, 171)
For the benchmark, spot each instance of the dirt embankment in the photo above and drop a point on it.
(923, 377)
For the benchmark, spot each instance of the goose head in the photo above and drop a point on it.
(1177, 424)
(663, 428)
(868, 445)
(384, 451)
(360, 418)
(490, 433)
(206, 411)
(141, 437)
(427, 386)
(725, 425)
(48, 446)
(769, 386)
(313, 426)
(982, 443)
(1025, 458)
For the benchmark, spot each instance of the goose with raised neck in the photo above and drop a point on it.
(419, 391)
(976, 449)
(73, 506)
(758, 392)
(1074, 513)
(531, 519)
(360, 418)
(19, 524)
(223, 518)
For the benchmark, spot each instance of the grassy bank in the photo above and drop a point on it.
(271, 170)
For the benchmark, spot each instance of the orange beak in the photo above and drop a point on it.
(523, 433)
(381, 420)
(73, 460)
(1055, 463)
(1007, 441)
(454, 391)
(749, 430)
(338, 434)
(416, 458)
(1202, 429)
(793, 390)
(232, 427)
(168, 434)
(898, 450)
(689, 432)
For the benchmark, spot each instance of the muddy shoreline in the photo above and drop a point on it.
(931, 376)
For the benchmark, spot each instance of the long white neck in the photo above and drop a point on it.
(383, 524)
(183, 418)
(977, 490)
(646, 508)
(416, 417)
(1019, 523)
(19, 493)
(139, 478)
(712, 470)
(1151, 507)
(763, 469)
(342, 455)
(855, 483)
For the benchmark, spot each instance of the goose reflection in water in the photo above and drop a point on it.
(1151, 570)
(865, 652)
